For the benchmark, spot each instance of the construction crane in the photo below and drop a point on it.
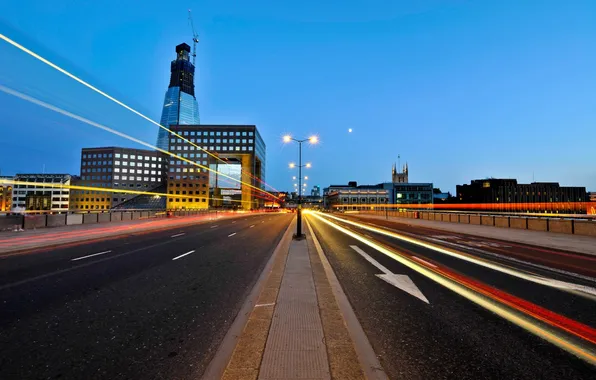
(195, 38)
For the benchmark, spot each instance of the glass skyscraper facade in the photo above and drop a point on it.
(180, 105)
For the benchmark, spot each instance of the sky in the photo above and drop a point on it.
(460, 90)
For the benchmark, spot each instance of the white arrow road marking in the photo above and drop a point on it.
(400, 281)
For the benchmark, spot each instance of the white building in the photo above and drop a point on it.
(41, 192)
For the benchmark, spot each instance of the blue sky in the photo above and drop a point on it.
(460, 89)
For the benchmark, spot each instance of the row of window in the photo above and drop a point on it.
(97, 170)
(189, 170)
(212, 148)
(96, 163)
(132, 178)
(38, 192)
(139, 164)
(213, 133)
(189, 192)
(136, 171)
(186, 199)
(55, 199)
(97, 155)
(218, 141)
(171, 184)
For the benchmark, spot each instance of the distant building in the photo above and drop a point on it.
(508, 195)
(42, 192)
(316, 191)
(354, 197)
(397, 177)
(240, 153)
(180, 103)
(592, 196)
(5, 194)
(116, 168)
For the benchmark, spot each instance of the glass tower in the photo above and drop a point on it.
(180, 105)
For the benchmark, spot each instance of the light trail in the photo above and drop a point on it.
(494, 301)
(88, 85)
(528, 276)
(493, 208)
(118, 133)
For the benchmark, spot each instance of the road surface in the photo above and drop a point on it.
(143, 306)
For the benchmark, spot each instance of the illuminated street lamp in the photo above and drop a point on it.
(305, 177)
(313, 140)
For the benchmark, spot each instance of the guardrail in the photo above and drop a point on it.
(558, 225)
(33, 221)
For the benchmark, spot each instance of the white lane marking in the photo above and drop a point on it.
(233, 222)
(180, 234)
(523, 274)
(187, 253)
(232, 234)
(213, 226)
(251, 226)
(265, 304)
(262, 221)
(95, 254)
(400, 281)
(424, 261)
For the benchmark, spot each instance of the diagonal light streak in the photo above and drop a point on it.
(118, 133)
(90, 86)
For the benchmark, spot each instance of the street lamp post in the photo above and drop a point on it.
(312, 140)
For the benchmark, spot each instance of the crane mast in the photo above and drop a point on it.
(195, 38)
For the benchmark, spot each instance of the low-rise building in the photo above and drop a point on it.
(5, 193)
(508, 195)
(41, 192)
(354, 197)
(116, 168)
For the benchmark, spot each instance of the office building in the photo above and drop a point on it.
(42, 192)
(117, 168)
(316, 191)
(180, 104)
(354, 197)
(240, 153)
(5, 194)
(508, 195)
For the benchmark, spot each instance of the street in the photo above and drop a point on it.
(420, 329)
(152, 305)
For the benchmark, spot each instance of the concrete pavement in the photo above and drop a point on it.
(296, 328)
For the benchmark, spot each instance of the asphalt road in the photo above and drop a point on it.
(144, 306)
(449, 337)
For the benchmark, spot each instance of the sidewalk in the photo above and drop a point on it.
(13, 242)
(296, 330)
(574, 243)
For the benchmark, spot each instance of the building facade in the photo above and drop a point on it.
(508, 195)
(236, 157)
(116, 168)
(5, 194)
(180, 104)
(316, 191)
(354, 197)
(42, 192)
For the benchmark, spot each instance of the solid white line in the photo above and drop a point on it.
(251, 226)
(424, 261)
(95, 254)
(233, 222)
(213, 226)
(180, 234)
(187, 253)
(230, 235)
(265, 304)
